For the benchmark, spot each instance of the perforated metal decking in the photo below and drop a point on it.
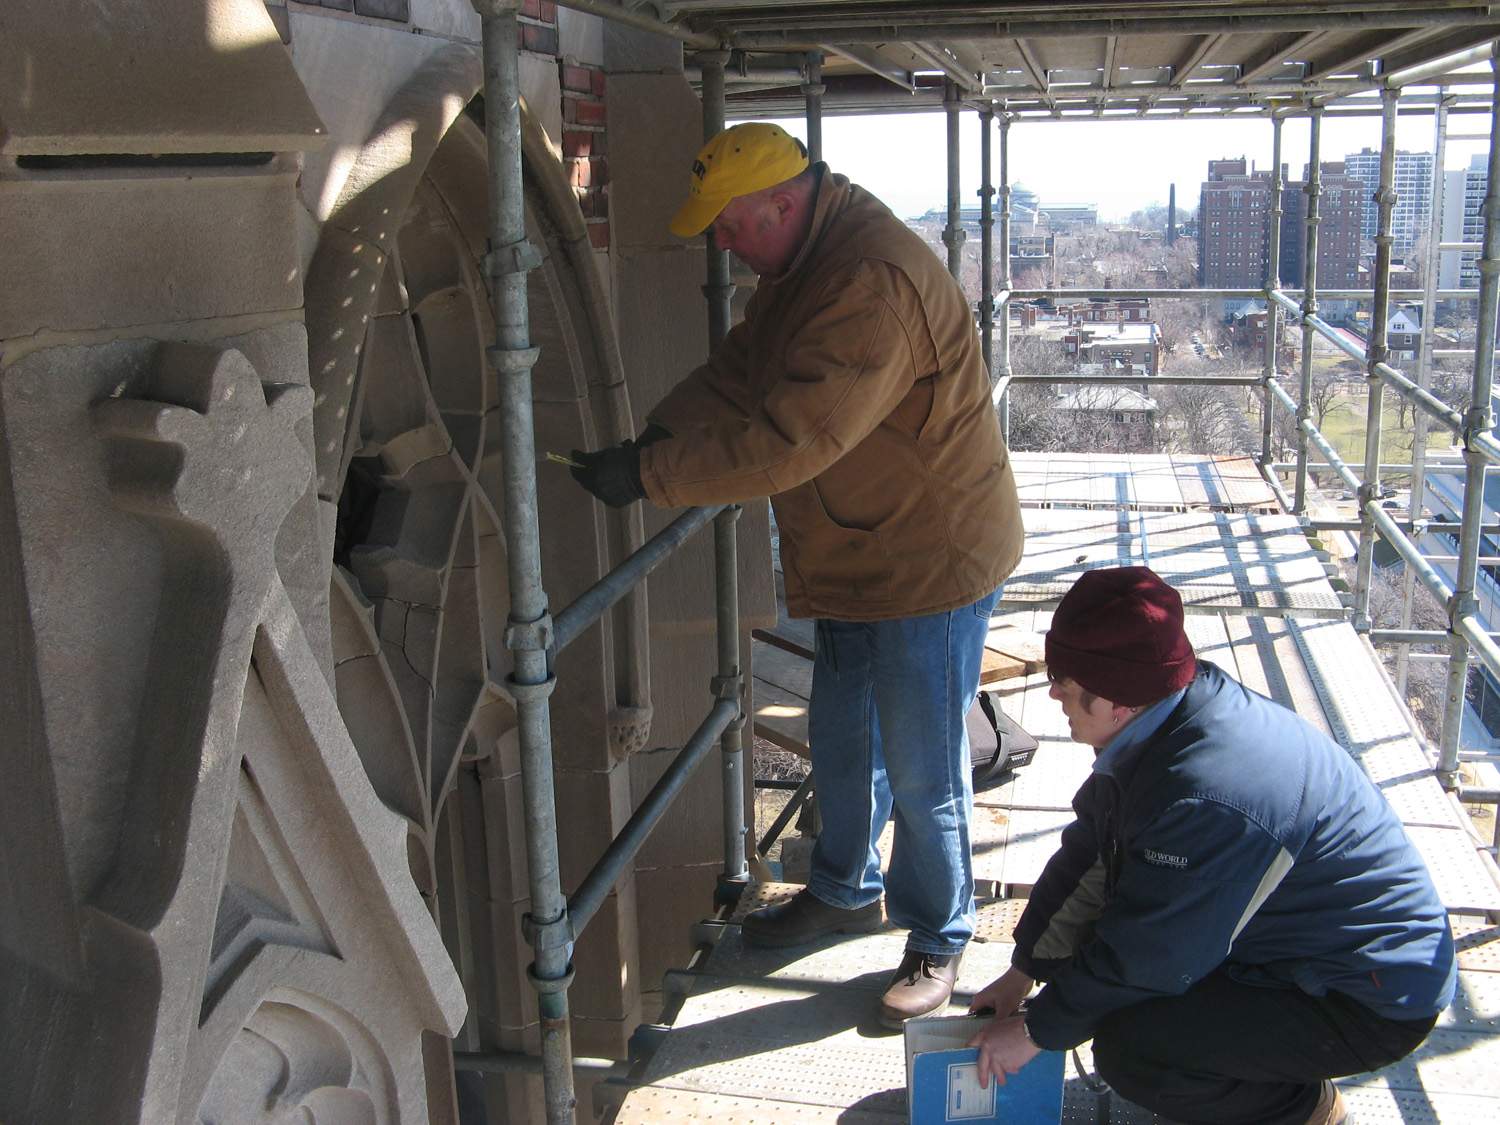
(791, 1036)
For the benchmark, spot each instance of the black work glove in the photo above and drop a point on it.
(613, 474)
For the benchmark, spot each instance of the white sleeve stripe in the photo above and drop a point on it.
(1281, 863)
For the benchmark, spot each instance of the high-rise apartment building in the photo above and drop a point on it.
(1341, 209)
(1413, 195)
(1476, 181)
(1234, 211)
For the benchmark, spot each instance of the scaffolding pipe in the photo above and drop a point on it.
(518, 1062)
(1385, 467)
(528, 634)
(1414, 527)
(616, 860)
(1314, 435)
(1433, 406)
(1132, 294)
(1034, 108)
(1426, 402)
(592, 604)
(1313, 189)
(1151, 380)
(1426, 573)
(1277, 489)
(813, 90)
(718, 289)
(1433, 68)
(729, 688)
(728, 683)
(1196, 294)
(1480, 420)
(986, 244)
(1004, 369)
(1409, 636)
(1273, 283)
(1480, 641)
(1376, 351)
(793, 806)
(953, 233)
(882, 28)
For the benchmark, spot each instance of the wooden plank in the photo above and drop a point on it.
(1019, 644)
(781, 717)
(997, 666)
(787, 670)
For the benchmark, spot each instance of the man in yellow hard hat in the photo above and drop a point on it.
(853, 394)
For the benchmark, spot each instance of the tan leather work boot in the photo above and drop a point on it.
(1330, 1109)
(922, 985)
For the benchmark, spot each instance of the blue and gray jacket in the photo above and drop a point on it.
(1235, 835)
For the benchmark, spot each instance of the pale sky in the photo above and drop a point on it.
(1119, 165)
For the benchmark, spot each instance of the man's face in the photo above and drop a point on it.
(751, 229)
(1091, 720)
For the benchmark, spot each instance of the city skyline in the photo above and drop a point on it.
(1118, 165)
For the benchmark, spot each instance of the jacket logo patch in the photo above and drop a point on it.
(1166, 859)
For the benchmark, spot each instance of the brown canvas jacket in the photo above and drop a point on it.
(855, 396)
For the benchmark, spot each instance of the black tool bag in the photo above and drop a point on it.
(997, 745)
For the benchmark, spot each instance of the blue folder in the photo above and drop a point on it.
(943, 1080)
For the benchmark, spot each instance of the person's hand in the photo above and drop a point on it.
(1004, 1048)
(613, 474)
(1003, 995)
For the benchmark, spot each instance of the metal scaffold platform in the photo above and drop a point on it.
(792, 1035)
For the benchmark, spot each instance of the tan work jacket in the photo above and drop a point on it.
(855, 396)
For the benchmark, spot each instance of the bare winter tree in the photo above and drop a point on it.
(1033, 423)
(1452, 383)
(1201, 419)
(1327, 397)
(1426, 682)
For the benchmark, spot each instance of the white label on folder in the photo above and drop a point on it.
(966, 1098)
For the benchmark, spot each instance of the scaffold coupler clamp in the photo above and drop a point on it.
(514, 258)
(535, 636)
(731, 688)
(1461, 605)
(1478, 421)
(495, 7)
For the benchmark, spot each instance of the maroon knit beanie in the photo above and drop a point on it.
(1118, 634)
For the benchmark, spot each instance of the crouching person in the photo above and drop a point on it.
(1236, 916)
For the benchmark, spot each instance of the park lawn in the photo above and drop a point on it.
(1345, 430)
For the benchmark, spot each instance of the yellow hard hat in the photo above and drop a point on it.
(739, 161)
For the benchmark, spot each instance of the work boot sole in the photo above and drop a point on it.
(891, 1021)
(865, 920)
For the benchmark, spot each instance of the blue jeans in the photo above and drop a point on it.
(886, 727)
